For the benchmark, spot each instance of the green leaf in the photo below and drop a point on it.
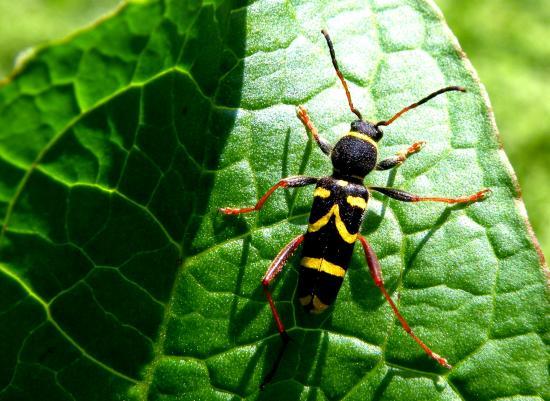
(119, 279)
(25, 23)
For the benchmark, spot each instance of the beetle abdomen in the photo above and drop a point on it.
(334, 222)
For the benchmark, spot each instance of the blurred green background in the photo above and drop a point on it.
(508, 43)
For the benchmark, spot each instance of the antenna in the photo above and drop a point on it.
(421, 101)
(335, 64)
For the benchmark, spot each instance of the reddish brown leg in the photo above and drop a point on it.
(289, 182)
(301, 112)
(408, 197)
(274, 269)
(400, 157)
(376, 273)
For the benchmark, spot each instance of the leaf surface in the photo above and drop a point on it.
(119, 279)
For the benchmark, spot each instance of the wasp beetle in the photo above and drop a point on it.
(339, 205)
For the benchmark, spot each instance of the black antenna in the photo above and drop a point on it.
(421, 101)
(335, 64)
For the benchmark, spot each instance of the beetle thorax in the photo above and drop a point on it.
(356, 153)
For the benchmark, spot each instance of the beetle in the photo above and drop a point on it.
(339, 206)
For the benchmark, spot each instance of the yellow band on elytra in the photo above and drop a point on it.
(323, 266)
(318, 305)
(340, 225)
(321, 192)
(356, 201)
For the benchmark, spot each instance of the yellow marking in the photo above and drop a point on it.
(356, 201)
(343, 230)
(305, 300)
(321, 192)
(323, 266)
(318, 306)
(322, 221)
(363, 137)
(340, 226)
(342, 183)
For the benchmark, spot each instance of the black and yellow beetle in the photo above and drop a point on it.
(339, 205)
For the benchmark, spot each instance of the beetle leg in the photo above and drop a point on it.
(408, 197)
(400, 157)
(289, 182)
(376, 273)
(274, 269)
(323, 144)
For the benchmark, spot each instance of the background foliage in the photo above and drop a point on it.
(105, 186)
(29, 23)
(504, 41)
